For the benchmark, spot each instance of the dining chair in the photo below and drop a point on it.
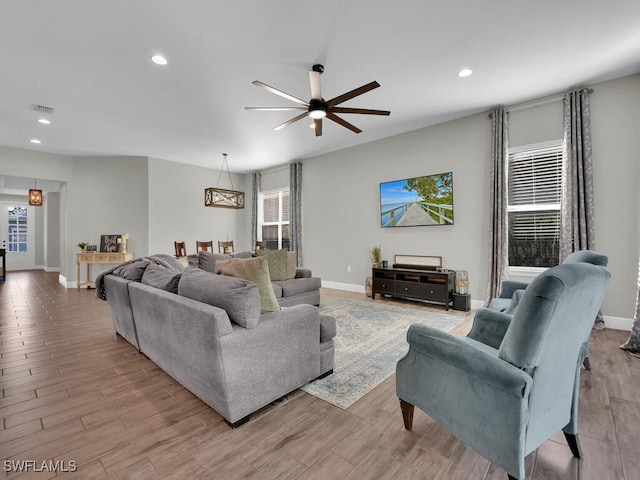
(225, 247)
(181, 249)
(207, 246)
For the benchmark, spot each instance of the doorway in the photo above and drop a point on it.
(16, 235)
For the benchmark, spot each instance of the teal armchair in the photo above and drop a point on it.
(513, 382)
(511, 291)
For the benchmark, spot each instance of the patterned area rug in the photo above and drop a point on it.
(371, 339)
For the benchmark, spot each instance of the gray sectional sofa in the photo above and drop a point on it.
(207, 332)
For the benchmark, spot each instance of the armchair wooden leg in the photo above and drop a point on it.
(407, 414)
(574, 445)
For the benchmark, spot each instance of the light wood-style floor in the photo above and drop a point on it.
(72, 391)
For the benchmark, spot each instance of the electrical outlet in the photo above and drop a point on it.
(348, 268)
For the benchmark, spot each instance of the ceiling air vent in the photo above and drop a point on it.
(43, 109)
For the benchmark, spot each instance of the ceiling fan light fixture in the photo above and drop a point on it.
(159, 59)
(317, 113)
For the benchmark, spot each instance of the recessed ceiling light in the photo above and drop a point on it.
(35, 140)
(44, 121)
(465, 72)
(159, 60)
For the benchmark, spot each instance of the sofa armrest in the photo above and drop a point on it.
(489, 327)
(469, 360)
(508, 287)
(303, 273)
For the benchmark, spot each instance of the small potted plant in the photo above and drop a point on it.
(376, 256)
(83, 246)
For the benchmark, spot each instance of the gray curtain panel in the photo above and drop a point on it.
(257, 178)
(295, 207)
(632, 345)
(498, 248)
(577, 230)
(576, 205)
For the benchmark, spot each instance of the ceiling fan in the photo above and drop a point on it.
(319, 108)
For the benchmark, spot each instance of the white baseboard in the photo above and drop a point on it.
(51, 269)
(62, 280)
(618, 323)
(476, 304)
(349, 287)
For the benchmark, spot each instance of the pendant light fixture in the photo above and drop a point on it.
(35, 195)
(220, 197)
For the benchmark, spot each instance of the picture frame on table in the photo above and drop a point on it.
(109, 243)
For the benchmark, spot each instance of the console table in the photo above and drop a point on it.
(89, 258)
(427, 285)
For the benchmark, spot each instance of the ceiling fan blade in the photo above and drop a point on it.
(276, 109)
(342, 122)
(353, 93)
(289, 122)
(318, 124)
(279, 92)
(364, 111)
(314, 80)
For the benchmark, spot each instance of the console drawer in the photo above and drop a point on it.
(384, 285)
(435, 293)
(410, 289)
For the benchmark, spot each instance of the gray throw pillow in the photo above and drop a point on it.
(240, 298)
(207, 260)
(132, 271)
(162, 278)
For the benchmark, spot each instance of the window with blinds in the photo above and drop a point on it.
(273, 219)
(534, 186)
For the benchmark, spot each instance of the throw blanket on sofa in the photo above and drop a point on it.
(167, 261)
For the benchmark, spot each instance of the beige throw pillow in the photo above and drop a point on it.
(277, 261)
(292, 264)
(255, 270)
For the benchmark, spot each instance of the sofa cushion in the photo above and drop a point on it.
(162, 278)
(240, 298)
(255, 270)
(277, 289)
(132, 271)
(299, 285)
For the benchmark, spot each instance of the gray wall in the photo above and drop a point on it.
(340, 193)
(100, 195)
(341, 202)
(177, 211)
(51, 232)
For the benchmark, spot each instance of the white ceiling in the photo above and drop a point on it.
(89, 60)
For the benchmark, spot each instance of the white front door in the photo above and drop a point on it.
(16, 235)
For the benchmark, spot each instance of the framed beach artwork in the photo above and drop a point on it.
(418, 201)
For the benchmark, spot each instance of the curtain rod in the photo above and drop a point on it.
(525, 105)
